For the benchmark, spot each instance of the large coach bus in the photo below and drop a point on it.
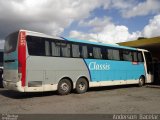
(36, 62)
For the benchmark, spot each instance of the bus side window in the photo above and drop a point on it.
(104, 53)
(84, 52)
(97, 53)
(135, 57)
(55, 49)
(113, 54)
(90, 51)
(140, 58)
(127, 55)
(36, 46)
(75, 51)
(66, 50)
(47, 48)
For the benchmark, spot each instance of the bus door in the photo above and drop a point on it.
(148, 67)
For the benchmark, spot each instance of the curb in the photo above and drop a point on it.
(153, 86)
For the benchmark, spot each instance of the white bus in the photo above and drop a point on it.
(36, 62)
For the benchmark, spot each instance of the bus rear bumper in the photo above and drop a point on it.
(13, 86)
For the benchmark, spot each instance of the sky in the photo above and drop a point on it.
(108, 21)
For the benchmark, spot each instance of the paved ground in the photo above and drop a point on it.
(121, 99)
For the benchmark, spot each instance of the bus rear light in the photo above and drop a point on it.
(22, 56)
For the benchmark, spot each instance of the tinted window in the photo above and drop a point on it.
(97, 52)
(36, 46)
(66, 50)
(140, 57)
(113, 54)
(75, 50)
(55, 48)
(104, 53)
(84, 52)
(135, 56)
(11, 43)
(127, 55)
(47, 48)
(148, 58)
(90, 51)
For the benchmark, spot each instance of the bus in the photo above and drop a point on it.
(36, 62)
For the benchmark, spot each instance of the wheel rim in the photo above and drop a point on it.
(64, 87)
(82, 86)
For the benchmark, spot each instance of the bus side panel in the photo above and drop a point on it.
(44, 73)
(108, 70)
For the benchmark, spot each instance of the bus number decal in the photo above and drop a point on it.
(22, 38)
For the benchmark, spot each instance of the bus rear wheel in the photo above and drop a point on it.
(64, 87)
(81, 85)
(141, 81)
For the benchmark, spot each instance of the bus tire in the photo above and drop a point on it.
(64, 87)
(141, 81)
(81, 85)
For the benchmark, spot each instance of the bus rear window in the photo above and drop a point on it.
(11, 43)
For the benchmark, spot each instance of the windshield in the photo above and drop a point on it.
(149, 62)
(11, 43)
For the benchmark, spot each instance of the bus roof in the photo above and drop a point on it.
(32, 33)
(76, 40)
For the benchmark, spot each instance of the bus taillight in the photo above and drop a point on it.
(22, 57)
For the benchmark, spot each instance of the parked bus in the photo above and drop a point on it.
(36, 62)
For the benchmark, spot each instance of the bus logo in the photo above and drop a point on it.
(96, 66)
